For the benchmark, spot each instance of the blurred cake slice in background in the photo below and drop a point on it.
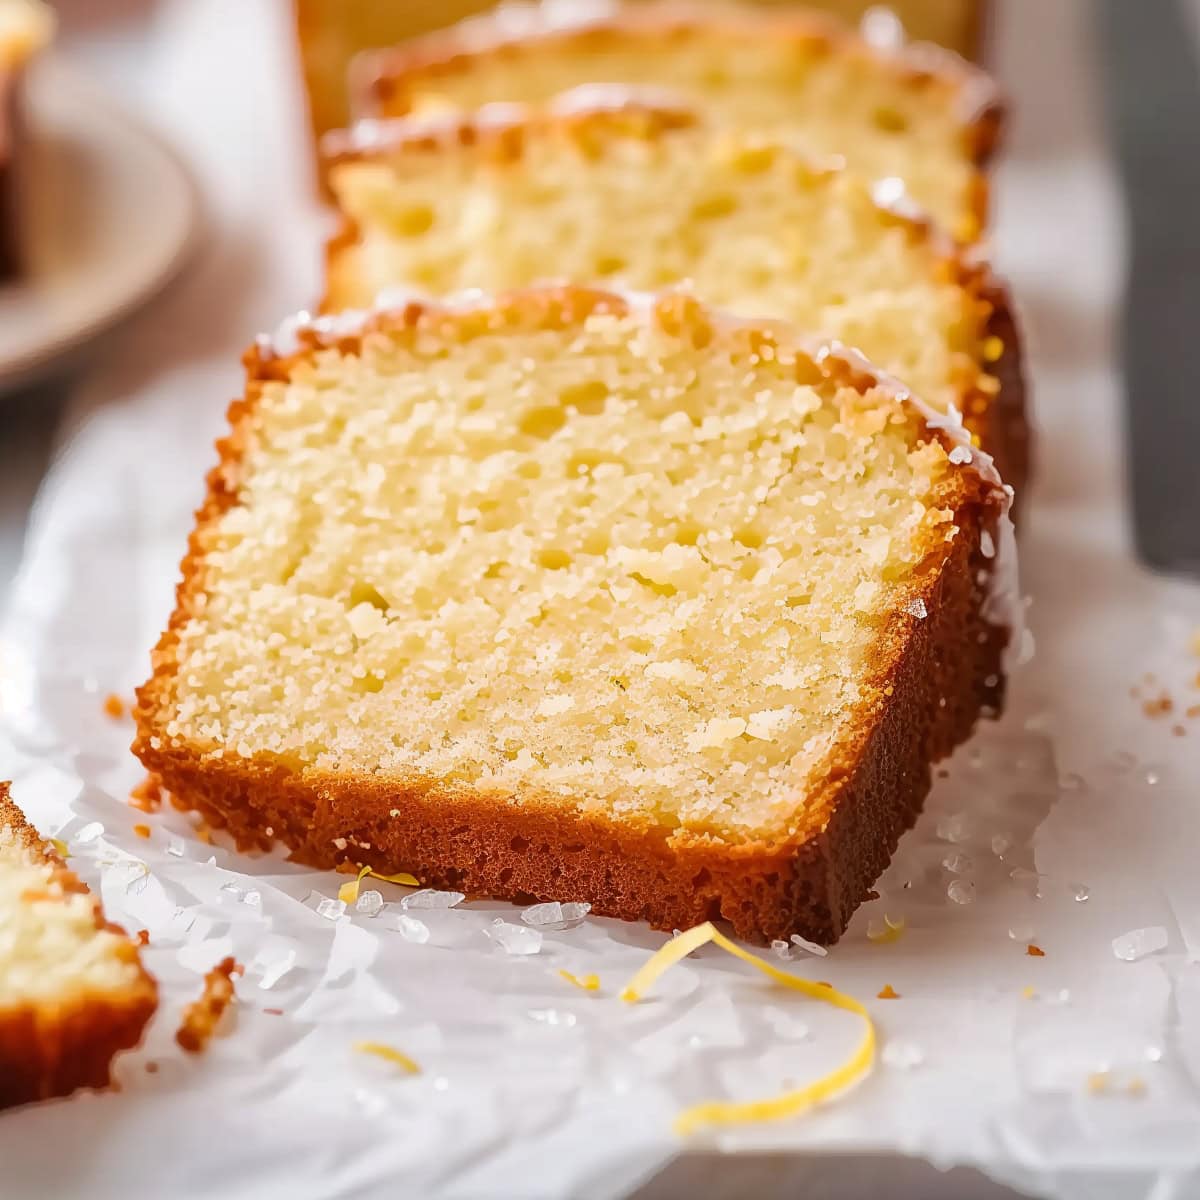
(332, 32)
(26, 26)
(917, 114)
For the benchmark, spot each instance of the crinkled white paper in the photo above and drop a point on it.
(1069, 825)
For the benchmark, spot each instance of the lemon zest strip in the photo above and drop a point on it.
(773, 1108)
(61, 847)
(401, 877)
(589, 983)
(892, 931)
(389, 1054)
(348, 892)
(667, 956)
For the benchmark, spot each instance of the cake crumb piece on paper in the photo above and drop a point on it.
(147, 796)
(114, 706)
(887, 992)
(200, 1018)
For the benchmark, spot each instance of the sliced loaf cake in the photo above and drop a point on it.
(582, 597)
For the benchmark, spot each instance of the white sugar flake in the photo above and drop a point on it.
(430, 898)
(1138, 943)
(553, 915)
(514, 939)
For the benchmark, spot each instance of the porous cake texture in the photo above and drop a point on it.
(613, 188)
(72, 988)
(581, 597)
(916, 113)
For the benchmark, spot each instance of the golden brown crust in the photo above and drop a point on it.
(385, 82)
(930, 678)
(996, 417)
(52, 1049)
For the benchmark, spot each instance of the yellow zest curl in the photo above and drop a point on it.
(348, 892)
(773, 1108)
(892, 931)
(589, 983)
(389, 1054)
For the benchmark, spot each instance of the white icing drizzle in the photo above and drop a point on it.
(891, 193)
(371, 135)
(1003, 605)
(882, 28)
(617, 97)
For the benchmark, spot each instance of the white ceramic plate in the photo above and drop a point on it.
(112, 215)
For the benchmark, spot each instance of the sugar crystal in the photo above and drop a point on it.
(514, 939)
(412, 930)
(954, 828)
(957, 862)
(1138, 943)
(553, 915)
(810, 947)
(89, 833)
(1080, 892)
(431, 898)
(330, 909)
(960, 454)
(901, 1054)
(961, 891)
(552, 1016)
(1002, 843)
(781, 949)
(369, 903)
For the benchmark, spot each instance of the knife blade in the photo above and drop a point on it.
(1150, 78)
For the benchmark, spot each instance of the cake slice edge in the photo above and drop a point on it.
(53, 1049)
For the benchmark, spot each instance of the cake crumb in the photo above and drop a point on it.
(1097, 1082)
(201, 1016)
(887, 992)
(114, 706)
(1028, 992)
(1158, 706)
(142, 831)
(143, 937)
(1179, 730)
(147, 796)
(1035, 951)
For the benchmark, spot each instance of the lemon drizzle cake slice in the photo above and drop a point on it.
(624, 191)
(72, 988)
(917, 113)
(573, 596)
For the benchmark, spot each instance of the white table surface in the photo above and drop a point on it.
(1058, 235)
